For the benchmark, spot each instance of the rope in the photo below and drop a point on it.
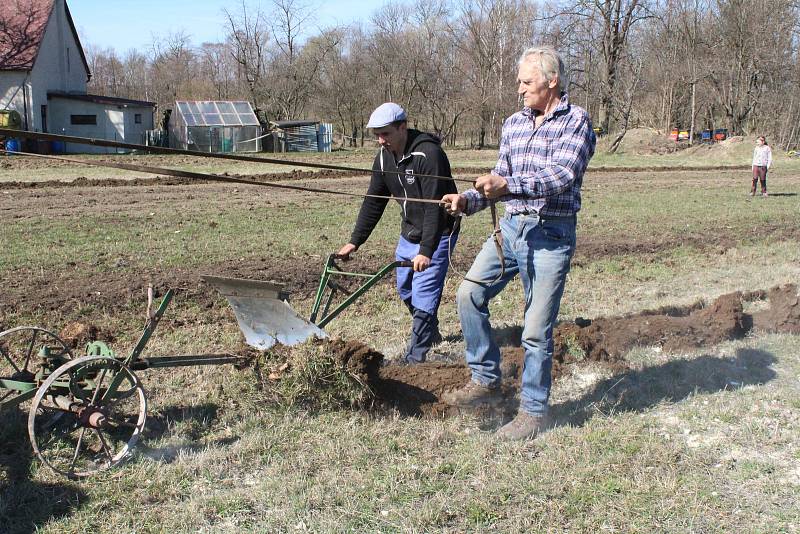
(234, 157)
(217, 177)
(497, 235)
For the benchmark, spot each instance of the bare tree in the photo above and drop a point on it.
(294, 66)
(106, 70)
(625, 105)
(218, 67)
(388, 49)
(489, 35)
(433, 66)
(248, 37)
(661, 63)
(611, 21)
(754, 40)
(172, 68)
(343, 85)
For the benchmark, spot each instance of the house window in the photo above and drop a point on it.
(83, 119)
(137, 118)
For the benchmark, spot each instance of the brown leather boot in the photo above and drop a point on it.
(473, 395)
(523, 426)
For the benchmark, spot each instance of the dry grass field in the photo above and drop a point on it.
(677, 430)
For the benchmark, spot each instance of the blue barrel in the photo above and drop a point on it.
(58, 147)
(12, 145)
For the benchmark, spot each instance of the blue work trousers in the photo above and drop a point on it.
(422, 292)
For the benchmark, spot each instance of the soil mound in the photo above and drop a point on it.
(607, 339)
(783, 314)
(417, 389)
(736, 148)
(647, 141)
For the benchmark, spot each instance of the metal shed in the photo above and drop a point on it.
(302, 136)
(297, 136)
(215, 126)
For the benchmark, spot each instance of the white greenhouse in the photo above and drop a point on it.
(214, 126)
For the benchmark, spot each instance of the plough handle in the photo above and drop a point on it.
(404, 263)
(332, 269)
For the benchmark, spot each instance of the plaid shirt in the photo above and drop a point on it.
(544, 166)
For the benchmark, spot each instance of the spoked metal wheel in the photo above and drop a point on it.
(22, 349)
(87, 416)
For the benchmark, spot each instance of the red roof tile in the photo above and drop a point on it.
(22, 27)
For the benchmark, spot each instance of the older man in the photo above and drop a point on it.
(426, 232)
(544, 152)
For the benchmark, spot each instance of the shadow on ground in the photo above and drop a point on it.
(25, 504)
(674, 381)
(189, 424)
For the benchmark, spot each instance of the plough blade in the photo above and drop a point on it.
(264, 316)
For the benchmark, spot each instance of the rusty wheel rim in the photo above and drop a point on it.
(22, 349)
(80, 435)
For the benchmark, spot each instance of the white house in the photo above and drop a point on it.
(43, 76)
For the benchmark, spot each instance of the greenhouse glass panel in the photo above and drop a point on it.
(246, 139)
(212, 119)
(226, 107)
(242, 107)
(248, 119)
(208, 107)
(190, 119)
(230, 119)
(200, 138)
(184, 107)
(193, 107)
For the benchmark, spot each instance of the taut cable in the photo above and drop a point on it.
(232, 157)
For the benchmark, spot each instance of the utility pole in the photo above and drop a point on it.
(691, 127)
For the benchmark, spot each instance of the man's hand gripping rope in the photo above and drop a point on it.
(492, 187)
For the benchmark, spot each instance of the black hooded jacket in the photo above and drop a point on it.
(422, 223)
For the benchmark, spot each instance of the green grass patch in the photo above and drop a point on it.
(231, 450)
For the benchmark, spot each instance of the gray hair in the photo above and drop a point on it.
(550, 63)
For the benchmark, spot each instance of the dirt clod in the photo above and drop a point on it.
(77, 334)
(360, 360)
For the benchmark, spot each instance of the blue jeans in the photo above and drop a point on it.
(539, 250)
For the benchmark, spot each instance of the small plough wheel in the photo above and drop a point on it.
(22, 349)
(78, 435)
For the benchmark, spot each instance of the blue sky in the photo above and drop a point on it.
(123, 25)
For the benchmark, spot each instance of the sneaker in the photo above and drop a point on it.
(523, 426)
(472, 395)
(764, 194)
(752, 193)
